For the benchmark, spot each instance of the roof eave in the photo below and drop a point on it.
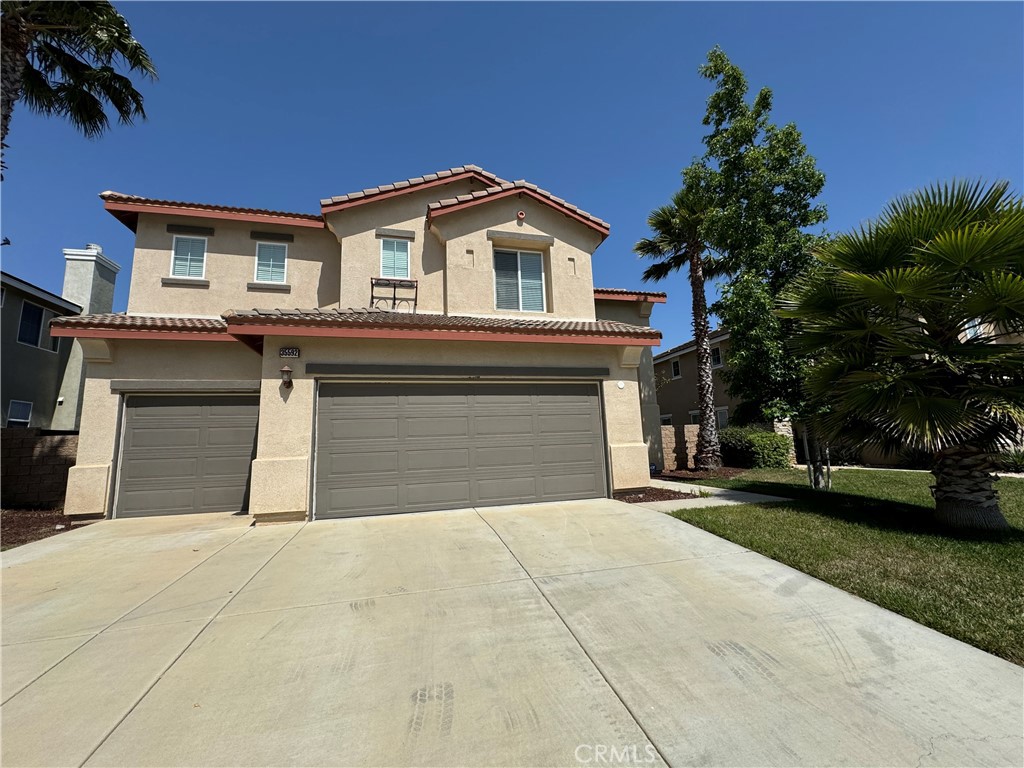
(651, 298)
(128, 214)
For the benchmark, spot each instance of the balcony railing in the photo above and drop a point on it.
(393, 294)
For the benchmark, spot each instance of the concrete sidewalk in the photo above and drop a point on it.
(537, 635)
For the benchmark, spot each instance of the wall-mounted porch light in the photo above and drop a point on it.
(286, 377)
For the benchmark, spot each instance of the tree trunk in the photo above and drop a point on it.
(14, 41)
(815, 465)
(709, 451)
(964, 493)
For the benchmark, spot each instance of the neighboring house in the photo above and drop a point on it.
(446, 352)
(41, 373)
(675, 372)
(635, 307)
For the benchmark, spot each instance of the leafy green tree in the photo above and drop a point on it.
(676, 243)
(59, 58)
(916, 327)
(760, 184)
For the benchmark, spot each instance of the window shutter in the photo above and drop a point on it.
(394, 260)
(531, 277)
(270, 262)
(189, 255)
(506, 280)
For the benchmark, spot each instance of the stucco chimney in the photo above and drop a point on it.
(89, 278)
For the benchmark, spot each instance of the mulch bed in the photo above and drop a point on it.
(641, 495)
(724, 473)
(20, 526)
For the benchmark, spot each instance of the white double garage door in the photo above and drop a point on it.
(380, 448)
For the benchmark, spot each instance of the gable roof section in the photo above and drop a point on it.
(354, 323)
(126, 209)
(520, 187)
(415, 184)
(718, 335)
(626, 294)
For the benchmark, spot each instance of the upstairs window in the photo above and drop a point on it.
(394, 258)
(675, 369)
(716, 357)
(189, 258)
(30, 329)
(271, 262)
(519, 281)
(19, 413)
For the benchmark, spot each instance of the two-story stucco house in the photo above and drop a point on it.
(446, 352)
(675, 373)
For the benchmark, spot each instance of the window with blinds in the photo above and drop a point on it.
(189, 257)
(519, 281)
(271, 260)
(394, 258)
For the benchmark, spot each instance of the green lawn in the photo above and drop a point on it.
(872, 536)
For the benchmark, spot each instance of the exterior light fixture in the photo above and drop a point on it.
(286, 377)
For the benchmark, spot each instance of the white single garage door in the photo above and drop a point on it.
(186, 453)
(387, 448)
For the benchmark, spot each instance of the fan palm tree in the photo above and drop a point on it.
(59, 59)
(676, 243)
(916, 324)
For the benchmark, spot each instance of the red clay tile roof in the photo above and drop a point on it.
(127, 207)
(123, 322)
(433, 179)
(376, 318)
(508, 188)
(626, 294)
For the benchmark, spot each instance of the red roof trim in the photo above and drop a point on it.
(116, 207)
(617, 295)
(427, 335)
(434, 213)
(333, 207)
(140, 333)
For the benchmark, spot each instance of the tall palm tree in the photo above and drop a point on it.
(60, 57)
(674, 244)
(916, 322)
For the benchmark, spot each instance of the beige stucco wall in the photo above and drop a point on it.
(568, 272)
(281, 476)
(89, 480)
(679, 396)
(355, 229)
(312, 269)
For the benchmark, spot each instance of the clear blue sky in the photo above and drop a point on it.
(276, 105)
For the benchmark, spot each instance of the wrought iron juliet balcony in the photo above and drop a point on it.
(393, 293)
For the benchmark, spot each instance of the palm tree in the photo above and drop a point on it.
(59, 58)
(676, 243)
(916, 321)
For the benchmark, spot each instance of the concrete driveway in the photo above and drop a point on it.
(583, 633)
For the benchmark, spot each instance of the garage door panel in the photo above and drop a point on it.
(437, 459)
(185, 454)
(455, 444)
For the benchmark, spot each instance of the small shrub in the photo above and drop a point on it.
(770, 450)
(753, 448)
(1012, 461)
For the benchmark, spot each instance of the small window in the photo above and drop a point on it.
(695, 417)
(716, 357)
(666, 419)
(722, 417)
(519, 281)
(394, 258)
(675, 369)
(271, 262)
(30, 330)
(189, 258)
(973, 330)
(3, 296)
(19, 413)
(55, 343)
